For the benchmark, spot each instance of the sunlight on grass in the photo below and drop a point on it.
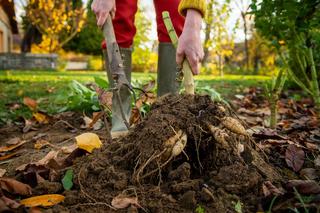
(47, 86)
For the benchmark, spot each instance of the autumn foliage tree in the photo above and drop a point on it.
(57, 20)
(218, 42)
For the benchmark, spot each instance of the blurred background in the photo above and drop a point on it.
(68, 29)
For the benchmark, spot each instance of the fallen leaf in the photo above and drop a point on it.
(90, 123)
(68, 161)
(67, 180)
(48, 157)
(135, 116)
(28, 125)
(149, 86)
(105, 98)
(13, 106)
(269, 189)
(41, 143)
(12, 147)
(10, 203)
(312, 146)
(2, 172)
(14, 186)
(96, 123)
(88, 141)
(309, 173)
(304, 186)
(43, 200)
(87, 122)
(121, 202)
(31, 103)
(11, 155)
(30, 173)
(41, 118)
(68, 149)
(269, 134)
(13, 141)
(35, 210)
(294, 157)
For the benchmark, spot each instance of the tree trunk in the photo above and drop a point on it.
(246, 44)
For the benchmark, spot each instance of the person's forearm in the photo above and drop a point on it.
(193, 19)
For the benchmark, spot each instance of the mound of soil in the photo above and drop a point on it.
(209, 174)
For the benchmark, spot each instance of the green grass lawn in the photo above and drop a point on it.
(47, 86)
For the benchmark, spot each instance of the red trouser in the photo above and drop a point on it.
(123, 22)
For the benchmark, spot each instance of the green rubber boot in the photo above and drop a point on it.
(118, 126)
(167, 70)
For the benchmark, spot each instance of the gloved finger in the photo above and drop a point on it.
(102, 18)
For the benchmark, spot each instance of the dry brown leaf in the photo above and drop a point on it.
(295, 157)
(9, 203)
(69, 149)
(135, 116)
(14, 186)
(105, 98)
(304, 186)
(43, 200)
(149, 86)
(13, 141)
(87, 122)
(35, 210)
(11, 155)
(41, 118)
(48, 157)
(2, 172)
(269, 189)
(96, 117)
(31, 103)
(121, 202)
(41, 144)
(12, 147)
(309, 173)
(90, 123)
(312, 146)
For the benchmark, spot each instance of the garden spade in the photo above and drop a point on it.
(116, 67)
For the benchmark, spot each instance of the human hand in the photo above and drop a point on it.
(189, 45)
(102, 9)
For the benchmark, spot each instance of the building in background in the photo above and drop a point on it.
(8, 25)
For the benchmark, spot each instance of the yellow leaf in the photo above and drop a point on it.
(12, 147)
(43, 200)
(88, 141)
(41, 118)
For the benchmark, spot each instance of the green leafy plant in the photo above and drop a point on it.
(200, 209)
(238, 207)
(273, 91)
(67, 180)
(271, 204)
(293, 27)
(79, 98)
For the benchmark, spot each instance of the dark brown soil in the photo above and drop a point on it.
(206, 175)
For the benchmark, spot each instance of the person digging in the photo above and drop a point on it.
(186, 18)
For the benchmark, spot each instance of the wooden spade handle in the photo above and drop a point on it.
(188, 80)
